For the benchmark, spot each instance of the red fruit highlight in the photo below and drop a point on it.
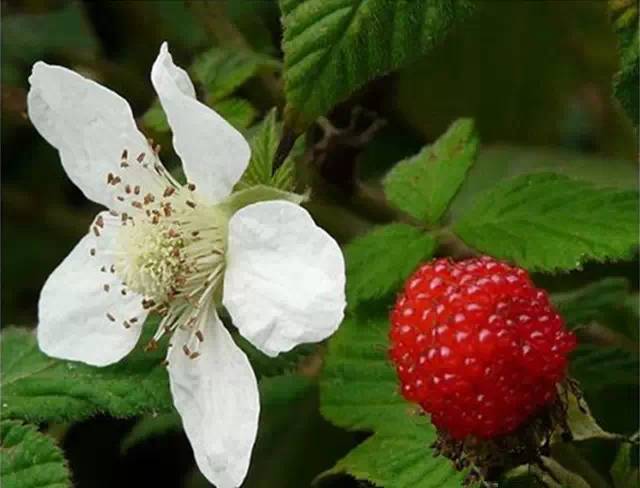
(477, 345)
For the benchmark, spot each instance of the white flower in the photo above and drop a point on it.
(179, 250)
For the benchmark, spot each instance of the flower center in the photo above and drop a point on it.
(173, 259)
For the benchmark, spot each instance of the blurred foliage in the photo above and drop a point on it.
(539, 80)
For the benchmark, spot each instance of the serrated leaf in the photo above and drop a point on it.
(30, 459)
(332, 47)
(359, 391)
(548, 222)
(596, 367)
(221, 70)
(624, 14)
(398, 462)
(623, 471)
(264, 143)
(424, 184)
(237, 111)
(38, 388)
(378, 262)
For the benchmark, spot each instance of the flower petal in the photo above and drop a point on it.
(217, 397)
(213, 153)
(90, 126)
(284, 283)
(82, 310)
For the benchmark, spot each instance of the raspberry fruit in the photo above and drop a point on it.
(478, 346)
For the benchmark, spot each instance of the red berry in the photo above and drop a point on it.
(477, 345)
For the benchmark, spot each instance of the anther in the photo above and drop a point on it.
(194, 355)
(100, 221)
(195, 233)
(92, 251)
(120, 198)
(103, 269)
(112, 268)
(127, 189)
(110, 178)
(169, 191)
(137, 205)
(191, 204)
(126, 325)
(146, 304)
(199, 335)
(140, 157)
(149, 198)
(133, 320)
(96, 231)
(125, 154)
(191, 186)
(111, 317)
(106, 287)
(136, 190)
(123, 292)
(186, 350)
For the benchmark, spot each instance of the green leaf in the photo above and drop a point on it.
(580, 421)
(38, 388)
(548, 222)
(221, 70)
(623, 472)
(378, 262)
(332, 47)
(263, 147)
(359, 391)
(424, 184)
(30, 459)
(592, 303)
(260, 193)
(151, 426)
(589, 364)
(624, 14)
(554, 475)
(155, 119)
(398, 462)
(237, 111)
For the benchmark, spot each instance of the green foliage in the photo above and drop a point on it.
(624, 15)
(548, 222)
(221, 71)
(379, 261)
(580, 421)
(623, 472)
(30, 459)
(359, 391)
(592, 303)
(597, 367)
(263, 147)
(237, 111)
(36, 387)
(424, 184)
(332, 47)
(555, 475)
(155, 118)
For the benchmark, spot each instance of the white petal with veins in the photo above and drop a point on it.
(216, 395)
(284, 282)
(213, 153)
(83, 315)
(90, 126)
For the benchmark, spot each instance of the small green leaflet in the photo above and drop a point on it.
(263, 147)
(555, 475)
(332, 47)
(359, 391)
(424, 184)
(221, 70)
(624, 15)
(237, 111)
(378, 262)
(580, 421)
(623, 471)
(549, 222)
(38, 388)
(30, 459)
